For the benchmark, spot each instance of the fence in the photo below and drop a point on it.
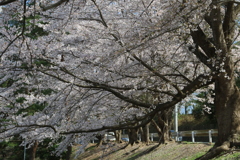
(196, 133)
(209, 134)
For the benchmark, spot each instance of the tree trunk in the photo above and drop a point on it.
(118, 136)
(227, 103)
(69, 152)
(159, 131)
(133, 136)
(228, 113)
(227, 94)
(100, 139)
(227, 99)
(164, 123)
(33, 151)
(145, 134)
(3, 149)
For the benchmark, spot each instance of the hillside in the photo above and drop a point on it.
(172, 151)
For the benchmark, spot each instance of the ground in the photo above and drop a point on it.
(171, 151)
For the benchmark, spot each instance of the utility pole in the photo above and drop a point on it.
(176, 122)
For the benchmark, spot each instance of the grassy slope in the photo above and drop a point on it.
(172, 151)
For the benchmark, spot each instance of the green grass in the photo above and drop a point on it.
(193, 157)
(186, 142)
(229, 156)
(90, 148)
(226, 156)
(182, 151)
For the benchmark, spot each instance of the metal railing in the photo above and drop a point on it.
(195, 133)
(178, 135)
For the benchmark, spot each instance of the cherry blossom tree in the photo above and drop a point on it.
(77, 68)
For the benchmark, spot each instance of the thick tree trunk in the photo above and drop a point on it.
(165, 136)
(228, 114)
(118, 136)
(164, 123)
(2, 149)
(227, 103)
(227, 94)
(133, 136)
(100, 139)
(159, 131)
(145, 134)
(69, 153)
(33, 151)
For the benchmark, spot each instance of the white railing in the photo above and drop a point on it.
(178, 135)
(195, 133)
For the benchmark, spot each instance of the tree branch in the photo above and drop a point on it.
(130, 125)
(5, 2)
(157, 74)
(201, 56)
(44, 8)
(100, 14)
(187, 90)
(229, 24)
(23, 28)
(95, 85)
(38, 126)
(217, 28)
(202, 41)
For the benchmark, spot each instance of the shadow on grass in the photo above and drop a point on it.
(115, 150)
(145, 152)
(140, 154)
(94, 149)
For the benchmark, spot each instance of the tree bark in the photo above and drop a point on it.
(159, 131)
(227, 99)
(145, 134)
(164, 123)
(100, 139)
(133, 136)
(69, 153)
(227, 103)
(33, 151)
(118, 136)
(227, 94)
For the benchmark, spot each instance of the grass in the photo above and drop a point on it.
(186, 142)
(193, 157)
(90, 148)
(229, 156)
(171, 151)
